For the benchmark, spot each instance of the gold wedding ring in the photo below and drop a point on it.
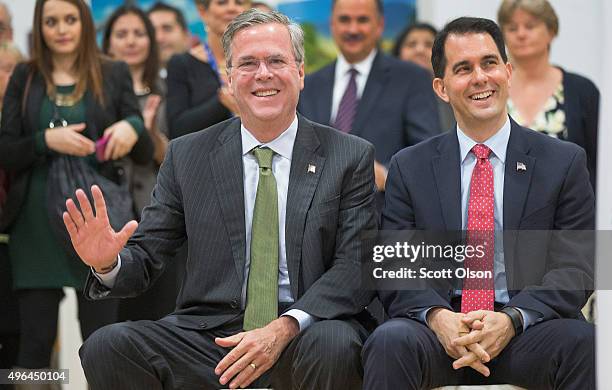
(253, 365)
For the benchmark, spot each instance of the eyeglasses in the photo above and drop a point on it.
(273, 63)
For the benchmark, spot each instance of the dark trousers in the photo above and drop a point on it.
(38, 314)
(9, 313)
(159, 355)
(555, 354)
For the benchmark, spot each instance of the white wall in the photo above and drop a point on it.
(576, 48)
(22, 12)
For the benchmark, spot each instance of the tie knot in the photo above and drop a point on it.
(353, 72)
(481, 151)
(264, 157)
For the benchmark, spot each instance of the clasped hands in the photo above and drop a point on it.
(254, 352)
(472, 339)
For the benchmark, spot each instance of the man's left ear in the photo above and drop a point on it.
(301, 73)
(509, 71)
(229, 84)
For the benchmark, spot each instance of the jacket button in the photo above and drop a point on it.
(234, 304)
(203, 324)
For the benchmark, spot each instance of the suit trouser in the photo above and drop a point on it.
(555, 354)
(158, 354)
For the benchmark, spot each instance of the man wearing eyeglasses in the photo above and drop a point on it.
(272, 206)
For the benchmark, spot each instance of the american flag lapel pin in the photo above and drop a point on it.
(312, 168)
(520, 166)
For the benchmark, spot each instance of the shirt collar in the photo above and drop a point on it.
(363, 67)
(281, 145)
(498, 143)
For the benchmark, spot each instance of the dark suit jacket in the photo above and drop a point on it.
(19, 125)
(582, 116)
(199, 197)
(397, 108)
(192, 101)
(424, 192)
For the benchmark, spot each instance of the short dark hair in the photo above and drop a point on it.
(379, 6)
(462, 26)
(399, 41)
(163, 7)
(151, 65)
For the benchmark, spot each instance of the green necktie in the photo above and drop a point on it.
(262, 289)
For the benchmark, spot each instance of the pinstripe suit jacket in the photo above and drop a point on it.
(199, 197)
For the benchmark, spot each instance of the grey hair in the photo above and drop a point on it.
(255, 17)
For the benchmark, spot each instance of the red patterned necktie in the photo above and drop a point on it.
(348, 105)
(479, 293)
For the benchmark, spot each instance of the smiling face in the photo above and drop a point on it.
(129, 41)
(356, 27)
(527, 36)
(61, 27)
(475, 82)
(264, 78)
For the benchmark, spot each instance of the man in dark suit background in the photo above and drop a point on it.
(490, 175)
(368, 93)
(272, 206)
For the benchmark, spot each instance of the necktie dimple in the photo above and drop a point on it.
(348, 105)
(479, 293)
(262, 287)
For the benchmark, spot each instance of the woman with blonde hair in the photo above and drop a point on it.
(543, 96)
(57, 105)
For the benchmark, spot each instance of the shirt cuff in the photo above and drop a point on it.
(108, 279)
(529, 316)
(136, 122)
(304, 319)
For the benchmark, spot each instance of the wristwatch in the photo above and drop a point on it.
(516, 318)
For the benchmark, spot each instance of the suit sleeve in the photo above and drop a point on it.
(338, 292)
(398, 214)
(568, 281)
(159, 236)
(421, 118)
(182, 117)
(17, 149)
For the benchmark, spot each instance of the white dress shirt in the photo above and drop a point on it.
(342, 78)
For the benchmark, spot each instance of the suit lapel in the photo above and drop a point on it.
(374, 86)
(303, 180)
(516, 182)
(447, 172)
(227, 170)
(324, 102)
(516, 188)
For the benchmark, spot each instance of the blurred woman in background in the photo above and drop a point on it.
(414, 44)
(545, 97)
(197, 95)
(129, 36)
(59, 103)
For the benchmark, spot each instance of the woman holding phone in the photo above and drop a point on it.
(60, 103)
